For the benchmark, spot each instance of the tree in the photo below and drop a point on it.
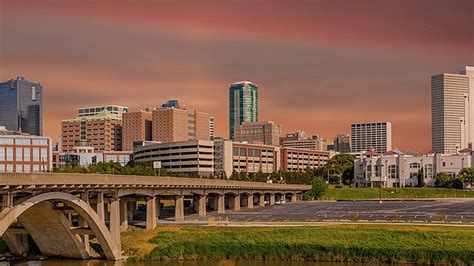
(341, 165)
(443, 180)
(467, 175)
(318, 188)
(421, 179)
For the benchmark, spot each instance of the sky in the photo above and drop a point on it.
(320, 65)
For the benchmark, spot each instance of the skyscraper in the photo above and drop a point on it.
(452, 111)
(243, 105)
(265, 132)
(136, 126)
(342, 143)
(371, 135)
(21, 106)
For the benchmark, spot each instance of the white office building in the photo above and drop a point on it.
(371, 135)
(452, 111)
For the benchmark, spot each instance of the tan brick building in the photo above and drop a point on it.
(180, 124)
(264, 132)
(137, 126)
(102, 131)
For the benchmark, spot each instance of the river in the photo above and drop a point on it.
(187, 263)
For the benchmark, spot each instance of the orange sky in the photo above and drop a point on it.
(320, 65)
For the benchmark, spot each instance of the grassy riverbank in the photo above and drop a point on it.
(355, 243)
(391, 193)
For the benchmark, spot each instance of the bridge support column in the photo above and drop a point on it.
(221, 203)
(250, 201)
(17, 243)
(115, 221)
(150, 213)
(179, 209)
(123, 215)
(202, 205)
(272, 199)
(237, 202)
(82, 223)
(7, 200)
(158, 208)
(100, 205)
(261, 200)
(294, 198)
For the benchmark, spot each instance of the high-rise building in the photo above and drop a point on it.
(212, 131)
(342, 143)
(243, 105)
(21, 106)
(452, 111)
(136, 126)
(114, 110)
(265, 132)
(299, 140)
(176, 123)
(371, 135)
(102, 132)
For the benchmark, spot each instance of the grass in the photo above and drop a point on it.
(387, 193)
(352, 243)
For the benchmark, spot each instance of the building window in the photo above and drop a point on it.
(2, 168)
(2, 154)
(428, 171)
(26, 168)
(19, 154)
(36, 154)
(10, 168)
(19, 168)
(26, 154)
(9, 154)
(392, 171)
(415, 166)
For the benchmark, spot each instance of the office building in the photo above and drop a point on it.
(136, 126)
(102, 131)
(299, 140)
(452, 111)
(342, 143)
(395, 168)
(85, 158)
(193, 157)
(212, 131)
(371, 135)
(21, 106)
(21, 153)
(177, 123)
(113, 110)
(243, 105)
(265, 132)
(252, 158)
(295, 160)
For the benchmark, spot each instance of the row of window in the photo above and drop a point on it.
(23, 141)
(23, 154)
(25, 168)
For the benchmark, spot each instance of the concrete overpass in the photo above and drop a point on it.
(63, 213)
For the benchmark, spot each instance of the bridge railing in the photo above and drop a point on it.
(35, 179)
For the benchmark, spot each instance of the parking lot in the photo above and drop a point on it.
(370, 211)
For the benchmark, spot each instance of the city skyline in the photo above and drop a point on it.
(330, 78)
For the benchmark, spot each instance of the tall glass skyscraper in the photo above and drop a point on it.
(243, 104)
(21, 106)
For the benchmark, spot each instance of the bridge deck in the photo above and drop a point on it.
(69, 180)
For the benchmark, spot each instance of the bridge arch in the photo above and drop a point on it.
(85, 211)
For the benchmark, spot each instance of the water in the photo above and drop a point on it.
(187, 263)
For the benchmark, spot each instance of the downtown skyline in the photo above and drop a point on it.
(314, 73)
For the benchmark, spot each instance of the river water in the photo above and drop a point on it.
(187, 263)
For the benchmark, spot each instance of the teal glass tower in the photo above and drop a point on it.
(243, 104)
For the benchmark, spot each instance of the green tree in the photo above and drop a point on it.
(443, 180)
(420, 177)
(467, 175)
(340, 166)
(318, 188)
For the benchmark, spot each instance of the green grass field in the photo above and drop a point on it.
(405, 193)
(353, 243)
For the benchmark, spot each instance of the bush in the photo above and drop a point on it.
(319, 187)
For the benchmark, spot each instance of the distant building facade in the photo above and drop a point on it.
(395, 169)
(88, 158)
(102, 131)
(452, 111)
(264, 132)
(299, 140)
(24, 153)
(21, 106)
(243, 105)
(136, 126)
(342, 143)
(294, 159)
(371, 135)
(113, 110)
(173, 122)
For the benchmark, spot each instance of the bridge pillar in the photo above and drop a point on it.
(100, 205)
(17, 243)
(123, 215)
(7, 200)
(261, 200)
(221, 203)
(179, 209)
(202, 205)
(272, 199)
(150, 213)
(158, 207)
(250, 201)
(294, 198)
(237, 202)
(115, 221)
(85, 238)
